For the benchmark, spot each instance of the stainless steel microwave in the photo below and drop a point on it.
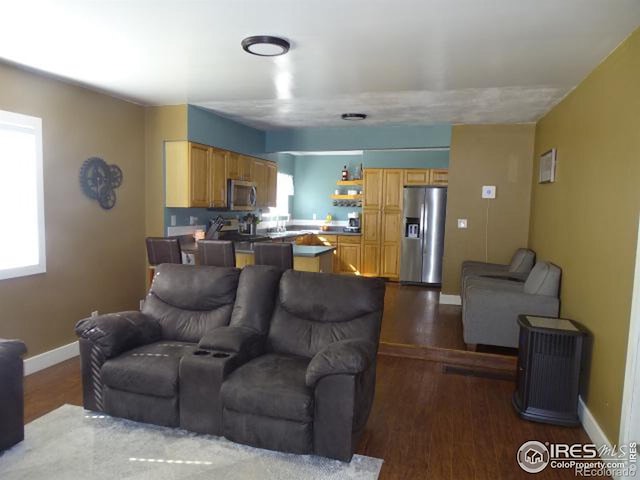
(242, 195)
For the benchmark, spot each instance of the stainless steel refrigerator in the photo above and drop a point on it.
(423, 234)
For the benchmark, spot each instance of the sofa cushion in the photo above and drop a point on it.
(271, 385)
(522, 261)
(544, 279)
(149, 370)
(316, 309)
(256, 297)
(190, 300)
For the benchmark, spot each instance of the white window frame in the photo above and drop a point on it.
(32, 124)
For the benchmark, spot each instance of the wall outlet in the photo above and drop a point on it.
(141, 304)
(315, 216)
(193, 220)
(94, 314)
(173, 220)
(489, 191)
(462, 223)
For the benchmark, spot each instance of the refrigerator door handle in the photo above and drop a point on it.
(424, 227)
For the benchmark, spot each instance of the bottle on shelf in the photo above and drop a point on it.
(359, 173)
(345, 173)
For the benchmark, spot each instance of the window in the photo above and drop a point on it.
(284, 191)
(22, 242)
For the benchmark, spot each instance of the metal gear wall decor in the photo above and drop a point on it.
(99, 180)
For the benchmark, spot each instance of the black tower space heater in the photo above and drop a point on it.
(549, 369)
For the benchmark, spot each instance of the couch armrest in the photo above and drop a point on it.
(115, 333)
(234, 340)
(489, 316)
(12, 348)
(342, 357)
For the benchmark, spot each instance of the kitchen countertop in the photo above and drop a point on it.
(297, 233)
(247, 248)
(298, 250)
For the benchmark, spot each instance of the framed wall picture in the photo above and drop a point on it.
(548, 167)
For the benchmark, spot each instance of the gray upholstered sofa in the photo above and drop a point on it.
(518, 268)
(491, 306)
(11, 393)
(283, 361)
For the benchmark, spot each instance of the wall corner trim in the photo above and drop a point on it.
(50, 358)
(446, 299)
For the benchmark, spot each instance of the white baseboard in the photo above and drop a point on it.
(593, 429)
(590, 425)
(50, 358)
(446, 299)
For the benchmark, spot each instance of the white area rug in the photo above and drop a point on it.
(73, 444)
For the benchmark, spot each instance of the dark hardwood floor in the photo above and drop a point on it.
(425, 424)
(413, 316)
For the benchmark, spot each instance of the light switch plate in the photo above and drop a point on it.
(462, 223)
(489, 191)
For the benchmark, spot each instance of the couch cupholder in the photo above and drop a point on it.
(202, 353)
(220, 355)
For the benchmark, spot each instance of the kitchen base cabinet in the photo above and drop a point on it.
(320, 263)
(348, 256)
(390, 261)
(370, 260)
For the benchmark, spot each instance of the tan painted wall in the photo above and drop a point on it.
(161, 123)
(587, 222)
(487, 155)
(95, 258)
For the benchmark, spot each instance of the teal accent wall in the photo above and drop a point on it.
(204, 126)
(407, 159)
(316, 176)
(315, 180)
(358, 138)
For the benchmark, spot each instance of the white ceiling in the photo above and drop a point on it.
(400, 61)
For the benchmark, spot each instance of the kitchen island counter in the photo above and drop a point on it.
(305, 257)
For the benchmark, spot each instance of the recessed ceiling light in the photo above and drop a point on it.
(353, 116)
(265, 46)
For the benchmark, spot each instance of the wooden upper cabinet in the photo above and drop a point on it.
(196, 175)
(187, 174)
(260, 179)
(246, 168)
(218, 192)
(417, 176)
(233, 166)
(372, 187)
(393, 179)
(439, 176)
(272, 184)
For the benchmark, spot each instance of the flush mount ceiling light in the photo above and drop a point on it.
(353, 116)
(265, 46)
